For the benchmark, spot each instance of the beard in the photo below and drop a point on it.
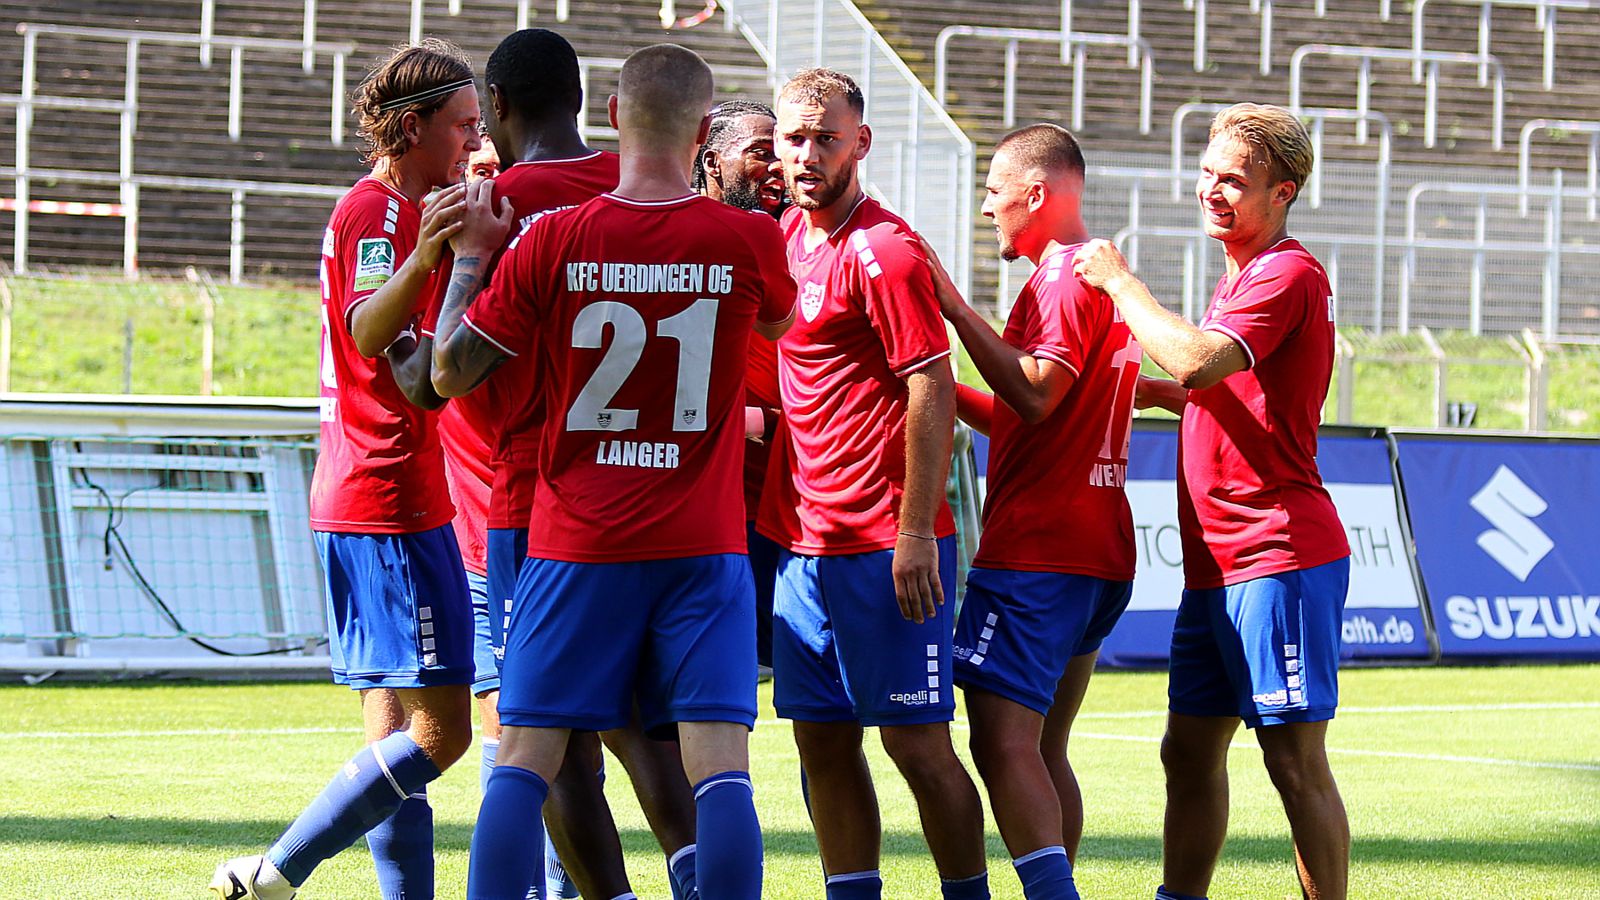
(827, 194)
(742, 193)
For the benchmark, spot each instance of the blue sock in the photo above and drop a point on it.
(1046, 874)
(680, 869)
(505, 843)
(491, 748)
(725, 824)
(366, 791)
(402, 850)
(1166, 893)
(855, 886)
(975, 887)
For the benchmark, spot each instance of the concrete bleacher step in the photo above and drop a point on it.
(182, 125)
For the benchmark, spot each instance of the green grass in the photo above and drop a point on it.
(102, 803)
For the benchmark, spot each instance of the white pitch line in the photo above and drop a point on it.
(173, 732)
(1382, 710)
(1389, 754)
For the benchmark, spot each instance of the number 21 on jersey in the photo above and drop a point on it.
(694, 330)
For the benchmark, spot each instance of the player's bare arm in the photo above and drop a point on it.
(482, 234)
(377, 322)
(1197, 359)
(464, 359)
(410, 361)
(774, 330)
(930, 424)
(1031, 386)
(1162, 393)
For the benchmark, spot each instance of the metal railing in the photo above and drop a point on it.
(1132, 43)
(1524, 147)
(922, 163)
(1545, 17)
(1553, 248)
(127, 108)
(1434, 58)
(1078, 42)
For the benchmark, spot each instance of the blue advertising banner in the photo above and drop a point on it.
(1383, 616)
(1508, 542)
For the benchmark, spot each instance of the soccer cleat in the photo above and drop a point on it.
(236, 880)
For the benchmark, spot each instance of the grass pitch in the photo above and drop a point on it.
(1460, 783)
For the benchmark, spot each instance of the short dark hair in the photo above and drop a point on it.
(818, 84)
(1044, 146)
(723, 117)
(538, 72)
(663, 90)
(411, 70)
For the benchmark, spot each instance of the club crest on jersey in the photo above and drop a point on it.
(811, 300)
(603, 419)
(689, 415)
(374, 263)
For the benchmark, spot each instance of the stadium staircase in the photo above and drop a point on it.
(182, 123)
(1112, 138)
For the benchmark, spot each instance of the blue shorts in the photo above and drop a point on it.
(1265, 650)
(485, 664)
(841, 651)
(586, 639)
(398, 611)
(764, 566)
(1018, 630)
(506, 549)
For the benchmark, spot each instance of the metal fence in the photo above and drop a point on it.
(922, 164)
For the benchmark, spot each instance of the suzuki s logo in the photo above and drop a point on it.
(1511, 506)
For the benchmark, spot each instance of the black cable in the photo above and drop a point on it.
(124, 556)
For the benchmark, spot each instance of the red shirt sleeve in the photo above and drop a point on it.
(1068, 309)
(900, 303)
(766, 241)
(370, 249)
(975, 407)
(1265, 310)
(504, 313)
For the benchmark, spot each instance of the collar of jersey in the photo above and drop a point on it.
(553, 162)
(848, 216)
(389, 189)
(649, 204)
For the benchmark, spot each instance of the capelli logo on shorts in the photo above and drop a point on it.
(1276, 698)
(919, 698)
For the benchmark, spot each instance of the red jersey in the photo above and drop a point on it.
(760, 389)
(491, 435)
(1056, 500)
(1250, 499)
(380, 469)
(868, 318)
(638, 315)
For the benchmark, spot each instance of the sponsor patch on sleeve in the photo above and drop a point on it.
(374, 263)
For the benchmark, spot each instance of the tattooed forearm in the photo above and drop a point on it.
(466, 280)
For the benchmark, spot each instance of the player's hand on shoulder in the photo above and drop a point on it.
(1100, 263)
(485, 227)
(944, 288)
(916, 577)
(442, 213)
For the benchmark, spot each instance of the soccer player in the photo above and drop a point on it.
(737, 166)
(1054, 569)
(486, 162)
(1266, 562)
(637, 307)
(399, 618)
(855, 496)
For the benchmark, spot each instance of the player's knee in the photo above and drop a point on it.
(1187, 760)
(827, 745)
(1295, 771)
(919, 753)
(994, 750)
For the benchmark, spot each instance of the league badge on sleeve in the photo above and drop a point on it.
(374, 263)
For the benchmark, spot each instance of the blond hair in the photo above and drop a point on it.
(817, 85)
(1274, 135)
